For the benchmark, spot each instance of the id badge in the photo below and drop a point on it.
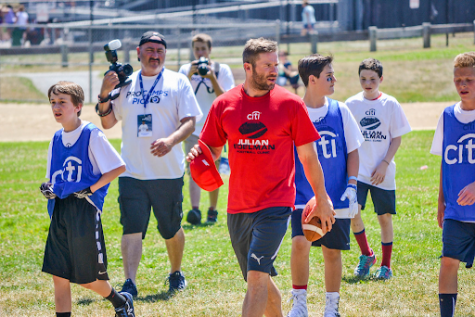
(144, 125)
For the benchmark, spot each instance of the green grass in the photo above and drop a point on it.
(215, 284)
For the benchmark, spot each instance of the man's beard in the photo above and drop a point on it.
(260, 81)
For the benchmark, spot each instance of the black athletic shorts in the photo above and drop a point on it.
(338, 238)
(75, 249)
(256, 238)
(384, 201)
(137, 197)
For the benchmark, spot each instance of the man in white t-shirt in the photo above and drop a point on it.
(208, 83)
(155, 160)
(382, 122)
(308, 17)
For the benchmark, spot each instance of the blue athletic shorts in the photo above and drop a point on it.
(256, 238)
(384, 201)
(137, 197)
(338, 238)
(458, 241)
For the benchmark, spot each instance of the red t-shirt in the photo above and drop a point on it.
(261, 132)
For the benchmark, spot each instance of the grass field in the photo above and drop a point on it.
(411, 73)
(215, 284)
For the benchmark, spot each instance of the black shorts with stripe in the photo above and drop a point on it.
(75, 249)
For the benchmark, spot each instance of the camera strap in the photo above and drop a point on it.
(202, 81)
(147, 98)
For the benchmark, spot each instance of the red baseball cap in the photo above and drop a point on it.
(204, 171)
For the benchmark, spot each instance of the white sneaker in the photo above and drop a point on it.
(332, 301)
(299, 303)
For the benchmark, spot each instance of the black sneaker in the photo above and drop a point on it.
(194, 216)
(129, 287)
(212, 216)
(126, 310)
(177, 282)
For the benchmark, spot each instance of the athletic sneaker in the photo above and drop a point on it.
(331, 306)
(384, 273)
(129, 287)
(194, 216)
(177, 282)
(126, 310)
(366, 262)
(212, 216)
(299, 303)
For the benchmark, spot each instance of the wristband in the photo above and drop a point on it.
(353, 178)
(102, 100)
(103, 114)
(386, 162)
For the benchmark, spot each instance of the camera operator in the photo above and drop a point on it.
(207, 86)
(164, 101)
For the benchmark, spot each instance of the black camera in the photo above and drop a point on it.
(122, 70)
(202, 64)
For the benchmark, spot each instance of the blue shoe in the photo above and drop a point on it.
(212, 216)
(176, 281)
(126, 310)
(366, 262)
(384, 273)
(129, 287)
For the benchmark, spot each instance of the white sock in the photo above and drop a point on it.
(333, 295)
(299, 291)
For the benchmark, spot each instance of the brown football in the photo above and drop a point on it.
(312, 230)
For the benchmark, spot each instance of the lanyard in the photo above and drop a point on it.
(147, 98)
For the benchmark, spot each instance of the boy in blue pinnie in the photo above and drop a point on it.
(81, 164)
(338, 154)
(453, 140)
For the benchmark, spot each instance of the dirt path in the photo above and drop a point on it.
(40, 125)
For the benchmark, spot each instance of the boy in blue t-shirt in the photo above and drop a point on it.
(338, 155)
(81, 164)
(453, 140)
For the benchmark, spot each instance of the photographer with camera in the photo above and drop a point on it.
(164, 101)
(209, 80)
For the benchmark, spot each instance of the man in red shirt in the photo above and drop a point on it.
(261, 125)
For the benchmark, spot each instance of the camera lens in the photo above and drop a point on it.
(202, 69)
(127, 69)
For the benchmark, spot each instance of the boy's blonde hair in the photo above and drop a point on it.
(68, 88)
(203, 38)
(254, 47)
(465, 60)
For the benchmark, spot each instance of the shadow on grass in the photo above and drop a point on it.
(85, 301)
(358, 280)
(201, 225)
(162, 296)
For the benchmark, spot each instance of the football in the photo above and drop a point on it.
(312, 230)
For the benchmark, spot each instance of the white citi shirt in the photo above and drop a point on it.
(172, 100)
(380, 121)
(205, 99)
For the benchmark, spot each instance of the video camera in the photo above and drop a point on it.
(122, 70)
(202, 64)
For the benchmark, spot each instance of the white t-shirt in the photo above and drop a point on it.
(461, 115)
(103, 156)
(308, 15)
(22, 18)
(205, 99)
(353, 136)
(380, 121)
(172, 100)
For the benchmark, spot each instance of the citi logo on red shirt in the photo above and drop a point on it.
(255, 115)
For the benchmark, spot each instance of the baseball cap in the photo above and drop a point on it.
(154, 37)
(204, 171)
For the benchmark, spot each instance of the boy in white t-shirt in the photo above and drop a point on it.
(453, 141)
(382, 122)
